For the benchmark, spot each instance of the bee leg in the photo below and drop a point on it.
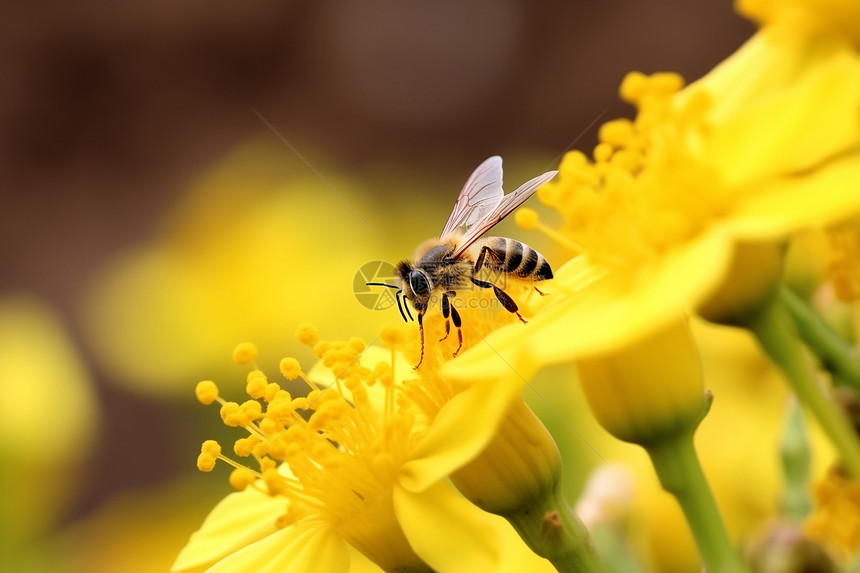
(479, 262)
(455, 316)
(540, 292)
(503, 297)
(421, 331)
(446, 312)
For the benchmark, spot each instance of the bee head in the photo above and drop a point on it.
(416, 285)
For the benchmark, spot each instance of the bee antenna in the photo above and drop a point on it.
(400, 304)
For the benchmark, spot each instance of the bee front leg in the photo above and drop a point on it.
(421, 331)
(446, 312)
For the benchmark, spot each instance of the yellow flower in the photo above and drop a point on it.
(48, 422)
(686, 205)
(357, 472)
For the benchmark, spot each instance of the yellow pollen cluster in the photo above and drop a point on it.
(206, 392)
(644, 189)
(836, 521)
(333, 452)
(209, 452)
(244, 353)
(307, 334)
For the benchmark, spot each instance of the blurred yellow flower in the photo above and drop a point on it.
(245, 248)
(358, 472)
(844, 267)
(48, 422)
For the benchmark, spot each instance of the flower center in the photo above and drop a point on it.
(342, 448)
(646, 189)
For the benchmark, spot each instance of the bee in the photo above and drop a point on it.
(452, 262)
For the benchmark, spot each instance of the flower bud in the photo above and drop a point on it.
(754, 274)
(522, 463)
(649, 390)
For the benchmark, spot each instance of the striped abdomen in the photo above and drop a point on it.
(514, 258)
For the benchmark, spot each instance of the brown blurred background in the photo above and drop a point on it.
(108, 110)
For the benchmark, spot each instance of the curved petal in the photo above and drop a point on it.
(446, 531)
(793, 127)
(360, 563)
(600, 314)
(827, 16)
(238, 520)
(291, 550)
(782, 206)
(486, 542)
(463, 427)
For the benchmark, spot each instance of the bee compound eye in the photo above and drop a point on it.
(418, 282)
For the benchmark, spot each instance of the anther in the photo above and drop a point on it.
(307, 334)
(290, 368)
(241, 478)
(244, 353)
(206, 392)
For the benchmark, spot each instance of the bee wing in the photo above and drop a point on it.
(480, 195)
(505, 207)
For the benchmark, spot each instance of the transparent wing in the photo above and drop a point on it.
(505, 207)
(480, 195)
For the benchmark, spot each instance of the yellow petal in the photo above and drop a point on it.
(602, 314)
(799, 16)
(238, 520)
(462, 428)
(454, 535)
(292, 550)
(446, 531)
(807, 115)
(787, 204)
(359, 563)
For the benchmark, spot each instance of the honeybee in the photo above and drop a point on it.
(452, 262)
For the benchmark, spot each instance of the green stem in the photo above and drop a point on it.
(776, 334)
(680, 473)
(552, 530)
(836, 355)
(795, 455)
(614, 547)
